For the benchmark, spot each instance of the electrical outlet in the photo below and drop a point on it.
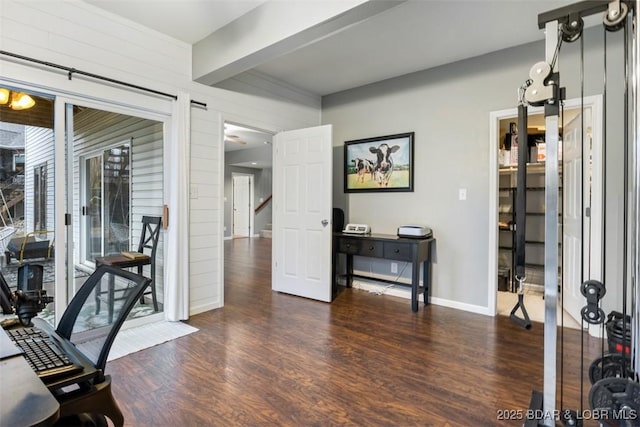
(394, 267)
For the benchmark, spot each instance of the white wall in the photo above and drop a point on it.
(75, 34)
(448, 108)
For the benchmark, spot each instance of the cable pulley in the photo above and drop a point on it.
(591, 313)
(572, 30)
(615, 16)
(593, 289)
(539, 90)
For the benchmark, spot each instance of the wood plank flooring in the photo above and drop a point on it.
(271, 359)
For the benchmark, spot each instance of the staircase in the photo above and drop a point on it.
(12, 195)
(266, 231)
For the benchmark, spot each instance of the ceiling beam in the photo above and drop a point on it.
(274, 29)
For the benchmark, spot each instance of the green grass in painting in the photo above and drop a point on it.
(399, 179)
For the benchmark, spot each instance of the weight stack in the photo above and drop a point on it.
(615, 330)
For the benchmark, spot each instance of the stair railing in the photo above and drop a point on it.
(263, 204)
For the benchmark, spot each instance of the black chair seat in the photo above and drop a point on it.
(148, 242)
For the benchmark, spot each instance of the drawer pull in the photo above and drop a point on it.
(397, 251)
(370, 248)
(348, 245)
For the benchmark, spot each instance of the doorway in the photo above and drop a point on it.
(581, 195)
(247, 176)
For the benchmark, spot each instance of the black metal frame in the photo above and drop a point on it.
(71, 71)
(369, 143)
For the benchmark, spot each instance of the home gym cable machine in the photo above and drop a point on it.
(614, 396)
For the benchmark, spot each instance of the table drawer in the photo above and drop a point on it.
(360, 247)
(371, 249)
(398, 251)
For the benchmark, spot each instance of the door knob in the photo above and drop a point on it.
(324, 222)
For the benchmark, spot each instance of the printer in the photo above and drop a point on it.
(415, 231)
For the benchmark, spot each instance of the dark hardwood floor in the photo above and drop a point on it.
(271, 359)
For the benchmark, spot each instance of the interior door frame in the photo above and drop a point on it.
(594, 102)
(251, 232)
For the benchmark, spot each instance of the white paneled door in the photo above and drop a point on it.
(582, 207)
(241, 205)
(302, 197)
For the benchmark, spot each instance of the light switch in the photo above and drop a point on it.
(462, 194)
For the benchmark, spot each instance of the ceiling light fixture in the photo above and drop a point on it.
(21, 101)
(16, 100)
(4, 96)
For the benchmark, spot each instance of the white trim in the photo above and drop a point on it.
(139, 105)
(197, 309)
(405, 293)
(221, 229)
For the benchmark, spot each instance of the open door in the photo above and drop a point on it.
(302, 202)
(582, 208)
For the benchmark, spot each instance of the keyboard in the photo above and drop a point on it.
(42, 354)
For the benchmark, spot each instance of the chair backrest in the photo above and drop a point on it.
(150, 235)
(91, 332)
(6, 305)
(30, 277)
(338, 220)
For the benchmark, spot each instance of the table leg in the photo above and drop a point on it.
(426, 279)
(415, 282)
(349, 281)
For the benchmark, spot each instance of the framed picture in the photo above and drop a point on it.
(383, 163)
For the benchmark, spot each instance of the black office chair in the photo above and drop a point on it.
(30, 277)
(338, 220)
(93, 334)
(6, 298)
(146, 255)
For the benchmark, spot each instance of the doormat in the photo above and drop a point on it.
(135, 339)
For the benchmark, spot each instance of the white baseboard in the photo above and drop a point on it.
(228, 238)
(382, 288)
(193, 310)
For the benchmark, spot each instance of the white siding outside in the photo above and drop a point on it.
(38, 151)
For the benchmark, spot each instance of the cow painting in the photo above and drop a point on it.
(364, 167)
(383, 167)
(379, 164)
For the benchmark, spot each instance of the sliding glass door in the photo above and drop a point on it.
(115, 163)
(76, 178)
(106, 206)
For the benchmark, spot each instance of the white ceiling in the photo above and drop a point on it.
(412, 36)
(186, 20)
